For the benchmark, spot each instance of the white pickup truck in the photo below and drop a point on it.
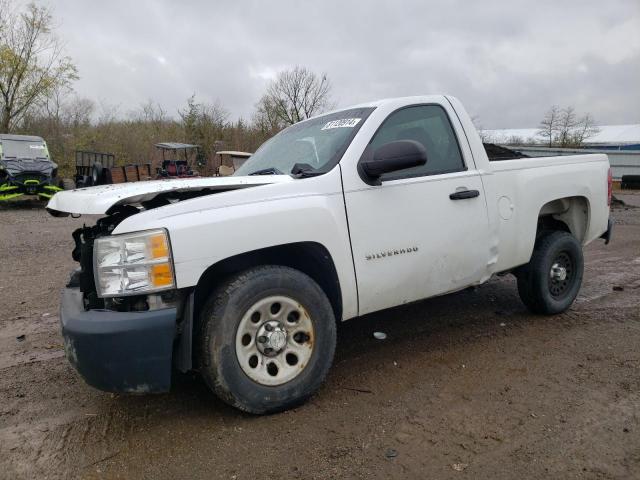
(244, 278)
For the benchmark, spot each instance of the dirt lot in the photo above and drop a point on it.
(466, 386)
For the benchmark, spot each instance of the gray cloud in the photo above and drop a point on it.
(507, 61)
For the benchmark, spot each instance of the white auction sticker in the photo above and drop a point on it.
(343, 123)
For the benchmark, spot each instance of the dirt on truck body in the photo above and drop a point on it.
(466, 385)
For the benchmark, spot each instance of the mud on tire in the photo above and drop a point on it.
(220, 353)
(551, 280)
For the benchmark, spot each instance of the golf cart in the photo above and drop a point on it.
(27, 169)
(178, 160)
(229, 161)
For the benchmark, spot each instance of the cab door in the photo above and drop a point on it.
(424, 230)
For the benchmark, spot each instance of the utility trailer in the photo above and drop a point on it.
(99, 168)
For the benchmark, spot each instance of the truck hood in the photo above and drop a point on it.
(102, 199)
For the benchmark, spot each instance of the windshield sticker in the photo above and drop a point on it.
(37, 147)
(343, 123)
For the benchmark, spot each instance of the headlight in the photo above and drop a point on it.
(133, 264)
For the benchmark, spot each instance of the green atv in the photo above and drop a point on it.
(27, 169)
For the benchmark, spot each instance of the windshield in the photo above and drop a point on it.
(318, 143)
(23, 149)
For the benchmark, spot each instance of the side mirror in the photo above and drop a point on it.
(391, 157)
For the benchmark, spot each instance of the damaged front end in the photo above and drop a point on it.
(84, 278)
(118, 343)
(119, 334)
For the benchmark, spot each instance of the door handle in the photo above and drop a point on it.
(464, 194)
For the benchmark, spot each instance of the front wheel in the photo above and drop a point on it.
(267, 340)
(551, 280)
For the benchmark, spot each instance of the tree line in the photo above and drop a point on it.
(563, 127)
(560, 127)
(37, 98)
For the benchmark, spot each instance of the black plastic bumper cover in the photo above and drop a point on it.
(118, 351)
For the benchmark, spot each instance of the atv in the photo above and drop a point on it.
(27, 169)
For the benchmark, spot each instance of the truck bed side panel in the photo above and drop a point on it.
(520, 188)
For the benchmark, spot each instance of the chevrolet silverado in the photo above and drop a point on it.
(244, 278)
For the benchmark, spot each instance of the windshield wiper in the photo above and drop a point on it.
(304, 170)
(267, 171)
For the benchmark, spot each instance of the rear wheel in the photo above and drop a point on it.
(268, 339)
(551, 280)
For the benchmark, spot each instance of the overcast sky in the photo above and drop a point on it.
(506, 61)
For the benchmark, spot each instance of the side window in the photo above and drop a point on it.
(429, 125)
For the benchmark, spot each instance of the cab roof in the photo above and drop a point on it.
(175, 146)
(20, 138)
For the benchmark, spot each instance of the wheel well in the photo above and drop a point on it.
(570, 214)
(310, 258)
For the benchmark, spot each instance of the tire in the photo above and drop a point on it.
(237, 360)
(96, 174)
(83, 181)
(551, 280)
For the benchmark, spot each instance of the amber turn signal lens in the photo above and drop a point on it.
(161, 275)
(159, 247)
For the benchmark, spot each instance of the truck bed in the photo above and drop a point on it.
(497, 152)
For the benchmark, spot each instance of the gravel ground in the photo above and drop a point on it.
(468, 385)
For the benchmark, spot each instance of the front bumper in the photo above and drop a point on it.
(126, 352)
(13, 189)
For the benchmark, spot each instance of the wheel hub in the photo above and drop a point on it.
(561, 275)
(275, 340)
(271, 338)
(558, 273)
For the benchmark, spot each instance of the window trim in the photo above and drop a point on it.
(414, 175)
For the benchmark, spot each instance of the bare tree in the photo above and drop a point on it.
(266, 118)
(294, 95)
(585, 129)
(514, 140)
(151, 112)
(485, 136)
(77, 112)
(563, 128)
(550, 124)
(32, 62)
(566, 125)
